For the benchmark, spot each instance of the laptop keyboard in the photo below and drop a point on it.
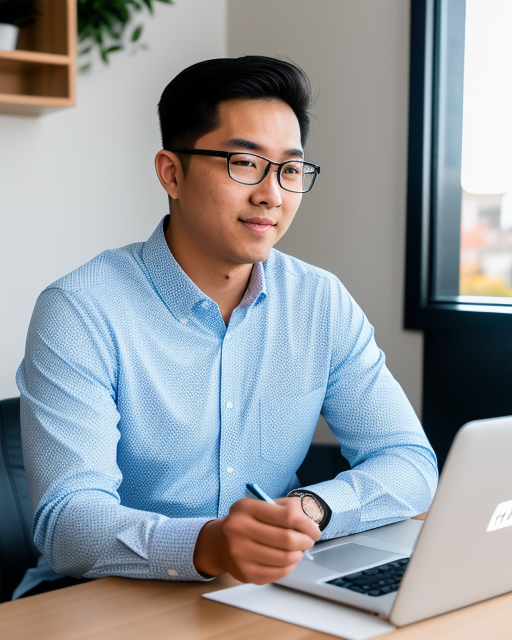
(376, 581)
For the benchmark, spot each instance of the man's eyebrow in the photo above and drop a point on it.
(253, 146)
(244, 144)
(294, 152)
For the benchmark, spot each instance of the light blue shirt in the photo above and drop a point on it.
(143, 415)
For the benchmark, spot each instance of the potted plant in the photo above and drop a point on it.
(102, 24)
(15, 14)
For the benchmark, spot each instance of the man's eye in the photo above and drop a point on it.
(244, 163)
(291, 170)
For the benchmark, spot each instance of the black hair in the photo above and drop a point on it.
(188, 108)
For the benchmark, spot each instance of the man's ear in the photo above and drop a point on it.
(169, 171)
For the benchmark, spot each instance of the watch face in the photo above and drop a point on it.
(312, 509)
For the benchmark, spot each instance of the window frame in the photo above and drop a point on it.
(422, 310)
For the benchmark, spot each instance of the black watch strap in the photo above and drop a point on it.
(299, 493)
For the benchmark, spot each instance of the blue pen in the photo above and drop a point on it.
(254, 491)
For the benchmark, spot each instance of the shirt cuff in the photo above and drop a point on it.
(171, 549)
(344, 504)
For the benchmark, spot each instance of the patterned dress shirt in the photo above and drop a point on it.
(143, 415)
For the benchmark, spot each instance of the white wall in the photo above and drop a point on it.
(80, 181)
(356, 53)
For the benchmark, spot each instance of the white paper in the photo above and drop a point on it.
(302, 609)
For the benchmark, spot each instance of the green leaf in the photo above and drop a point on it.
(85, 68)
(115, 34)
(116, 47)
(85, 51)
(137, 33)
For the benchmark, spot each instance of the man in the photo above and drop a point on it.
(162, 377)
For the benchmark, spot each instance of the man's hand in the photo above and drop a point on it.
(256, 542)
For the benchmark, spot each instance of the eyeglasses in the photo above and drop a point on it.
(248, 168)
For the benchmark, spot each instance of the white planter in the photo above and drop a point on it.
(8, 36)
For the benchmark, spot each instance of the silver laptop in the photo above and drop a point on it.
(409, 571)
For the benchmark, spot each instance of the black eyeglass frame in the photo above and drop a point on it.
(229, 154)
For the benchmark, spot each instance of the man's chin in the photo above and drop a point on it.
(255, 256)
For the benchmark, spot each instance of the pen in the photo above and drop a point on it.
(257, 492)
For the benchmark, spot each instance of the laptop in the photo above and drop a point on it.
(412, 570)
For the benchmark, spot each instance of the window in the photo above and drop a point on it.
(486, 170)
(459, 219)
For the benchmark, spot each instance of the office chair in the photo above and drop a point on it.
(322, 462)
(17, 550)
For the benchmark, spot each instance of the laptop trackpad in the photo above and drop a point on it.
(351, 557)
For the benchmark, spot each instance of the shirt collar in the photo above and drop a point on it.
(257, 286)
(177, 290)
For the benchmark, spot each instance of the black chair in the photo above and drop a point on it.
(17, 550)
(322, 462)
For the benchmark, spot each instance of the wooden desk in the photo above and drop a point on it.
(124, 609)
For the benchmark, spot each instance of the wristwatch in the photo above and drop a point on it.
(313, 506)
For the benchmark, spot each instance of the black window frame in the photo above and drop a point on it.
(422, 310)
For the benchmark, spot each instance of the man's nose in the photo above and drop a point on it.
(268, 192)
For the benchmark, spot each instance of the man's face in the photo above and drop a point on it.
(232, 222)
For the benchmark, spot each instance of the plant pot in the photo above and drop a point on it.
(8, 36)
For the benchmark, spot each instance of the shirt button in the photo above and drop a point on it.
(229, 405)
(229, 469)
(184, 320)
(172, 572)
(205, 305)
(228, 336)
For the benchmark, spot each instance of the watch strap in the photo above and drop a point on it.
(300, 493)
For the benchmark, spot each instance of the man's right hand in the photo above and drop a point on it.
(256, 542)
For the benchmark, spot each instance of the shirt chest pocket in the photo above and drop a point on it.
(287, 426)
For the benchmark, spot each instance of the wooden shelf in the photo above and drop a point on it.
(40, 76)
(31, 105)
(35, 56)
